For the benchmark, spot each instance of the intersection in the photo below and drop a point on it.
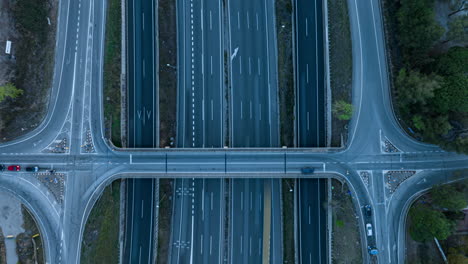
(76, 108)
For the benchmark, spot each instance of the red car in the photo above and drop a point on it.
(14, 168)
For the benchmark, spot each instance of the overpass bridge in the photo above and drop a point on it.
(75, 122)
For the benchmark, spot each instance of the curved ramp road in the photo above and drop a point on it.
(76, 109)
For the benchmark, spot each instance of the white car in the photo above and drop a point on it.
(369, 229)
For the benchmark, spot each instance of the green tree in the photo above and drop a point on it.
(427, 223)
(343, 110)
(9, 90)
(418, 30)
(418, 122)
(415, 88)
(435, 127)
(458, 29)
(447, 196)
(455, 61)
(452, 95)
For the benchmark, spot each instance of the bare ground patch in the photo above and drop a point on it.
(165, 219)
(30, 66)
(346, 240)
(167, 71)
(340, 64)
(29, 243)
(284, 9)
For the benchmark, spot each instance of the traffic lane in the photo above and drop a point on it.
(213, 106)
(247, 221)
(181, 248)
(208, 223)
(191, 88)
(310, 74)
(250, 89)
(312, 225)
(276, 235)
(147, 113)
(139, 246)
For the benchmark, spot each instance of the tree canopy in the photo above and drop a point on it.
(427, 224)
(447, 196)
(9, 90)
(418, 30)
(343, 110)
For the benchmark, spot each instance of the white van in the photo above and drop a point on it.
(369, 229)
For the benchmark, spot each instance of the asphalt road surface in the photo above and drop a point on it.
(78, 67)
(139, 211)
(312, 236)
(142, 126)
(200, 75)
(254, 108)
(310, 95)
(254, 123)
(197, 229)
(142, 83)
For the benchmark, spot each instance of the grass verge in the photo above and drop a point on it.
(101, 235)
(284, 9)
(346, 241)
(340, 64)
(165, 219)
(288, 220)
(29, 248)
(112, 72)
(167, 71)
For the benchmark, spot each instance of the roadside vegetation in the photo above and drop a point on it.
(428, 40)
(112, 72)
(29, 243)
(2, 248)
(167, 52)
(436, 215)
(165, 219)
(346, 239)
(288, 220)
(340, 70)
(284, 12)
(101, 235)
(26, 74)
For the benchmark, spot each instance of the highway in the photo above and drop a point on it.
(138, 243)
(142, 83)
(253, 97)
(79, 60)
(310, 128)
(197, 232)
(143, 129)
(200, 75)
(312, 236)
(254, 123)
(310, 78)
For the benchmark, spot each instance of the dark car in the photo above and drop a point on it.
(2, 167)
(14, 168)
(32, 169)
(368, 210)
(307, 170)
